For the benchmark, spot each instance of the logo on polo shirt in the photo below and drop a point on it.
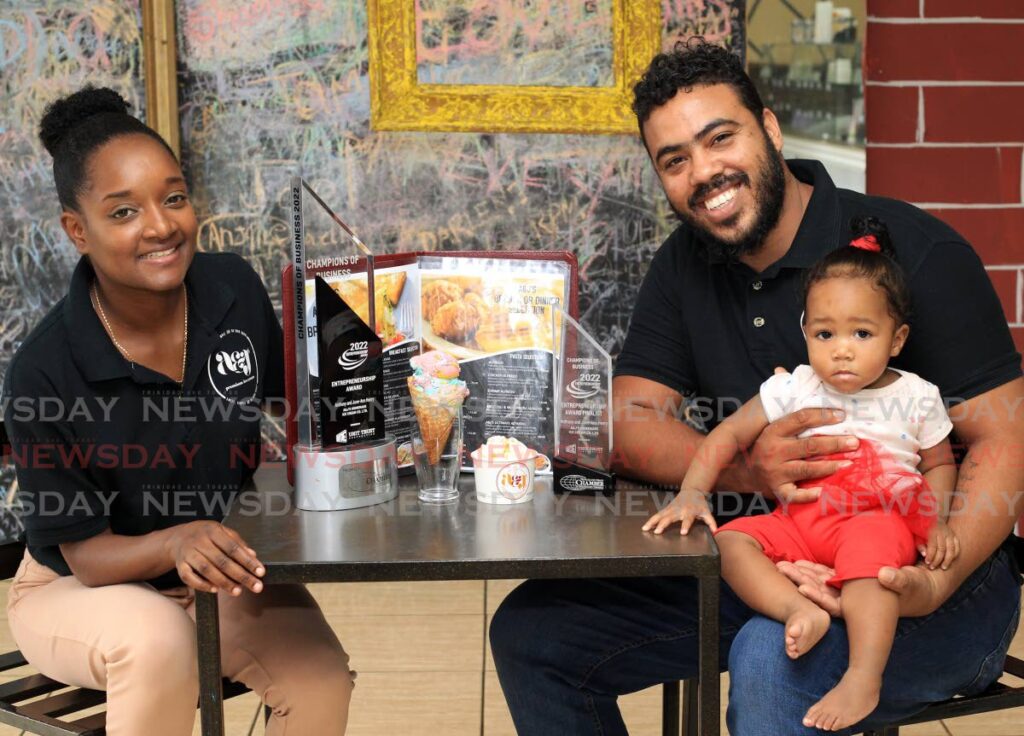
(232, 367)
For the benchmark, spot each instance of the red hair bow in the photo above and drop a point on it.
(866, 242)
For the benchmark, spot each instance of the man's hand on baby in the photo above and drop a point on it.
(943, 547)
(920, 590)
(811, 580)
(780, 459)
(688, 506)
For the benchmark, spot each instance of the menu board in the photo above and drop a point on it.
(495, 316)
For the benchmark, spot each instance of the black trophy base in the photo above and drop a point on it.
(582, 480)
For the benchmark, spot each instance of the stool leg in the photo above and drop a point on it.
(691, 695)
(670, 709)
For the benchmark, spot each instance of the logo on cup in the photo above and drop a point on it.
(354, 356)
(513, 481)
(580, 483)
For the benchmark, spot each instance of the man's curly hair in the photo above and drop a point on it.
(693, 63)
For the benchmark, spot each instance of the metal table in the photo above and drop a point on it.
(549, 537)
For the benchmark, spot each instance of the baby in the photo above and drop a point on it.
(885, 504)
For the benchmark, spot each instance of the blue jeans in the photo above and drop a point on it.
(566, 649)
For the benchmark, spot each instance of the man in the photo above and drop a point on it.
(718, 311)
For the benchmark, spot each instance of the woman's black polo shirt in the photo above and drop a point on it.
(714, 330)
(101, 443)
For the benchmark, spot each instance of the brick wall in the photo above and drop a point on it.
(944, 86)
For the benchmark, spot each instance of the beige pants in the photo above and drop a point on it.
(140, 646)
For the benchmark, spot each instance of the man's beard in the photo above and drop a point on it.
(771, 188)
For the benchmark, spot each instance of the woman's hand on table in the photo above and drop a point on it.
(210, 557)
(688, 506)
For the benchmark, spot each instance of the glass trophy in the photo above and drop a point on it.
(583, 418)
(343, 459)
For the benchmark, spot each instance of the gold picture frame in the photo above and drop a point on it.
(399, 102)
(159, 52)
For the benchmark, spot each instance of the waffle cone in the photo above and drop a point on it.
(436, 421)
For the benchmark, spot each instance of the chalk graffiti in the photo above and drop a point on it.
(49, 48)
(720, 21)
(514, 42)
(209, 20)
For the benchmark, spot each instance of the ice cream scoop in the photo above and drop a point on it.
(437, 395)
(436, 374)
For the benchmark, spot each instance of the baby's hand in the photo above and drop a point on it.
(943, 547)
(688, 506)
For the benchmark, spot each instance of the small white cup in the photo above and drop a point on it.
(503, 480)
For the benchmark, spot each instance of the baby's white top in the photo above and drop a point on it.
(905, 417)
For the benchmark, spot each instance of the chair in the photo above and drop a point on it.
(55, 715)
(670, 709)
(998, 696)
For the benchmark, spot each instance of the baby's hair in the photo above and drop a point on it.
(869, 255)
(73, 127)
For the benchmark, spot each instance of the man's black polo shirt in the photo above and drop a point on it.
(716, 330)
(99, 442)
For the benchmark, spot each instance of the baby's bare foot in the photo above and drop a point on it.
(850, 701)
(804, 629)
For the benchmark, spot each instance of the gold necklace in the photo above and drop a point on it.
(119, 346)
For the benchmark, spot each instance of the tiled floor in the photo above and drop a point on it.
(425, 669)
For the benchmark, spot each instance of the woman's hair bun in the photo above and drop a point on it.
(63, 115)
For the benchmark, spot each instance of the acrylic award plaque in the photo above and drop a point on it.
(583, 419)
(343, 458)
(351, 368)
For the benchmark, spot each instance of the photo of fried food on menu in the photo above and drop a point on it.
(475, 315)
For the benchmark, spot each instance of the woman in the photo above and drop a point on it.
(157, 360)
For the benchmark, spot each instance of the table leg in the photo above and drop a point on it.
(670, 709)
(710, 713)
(211, 697)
